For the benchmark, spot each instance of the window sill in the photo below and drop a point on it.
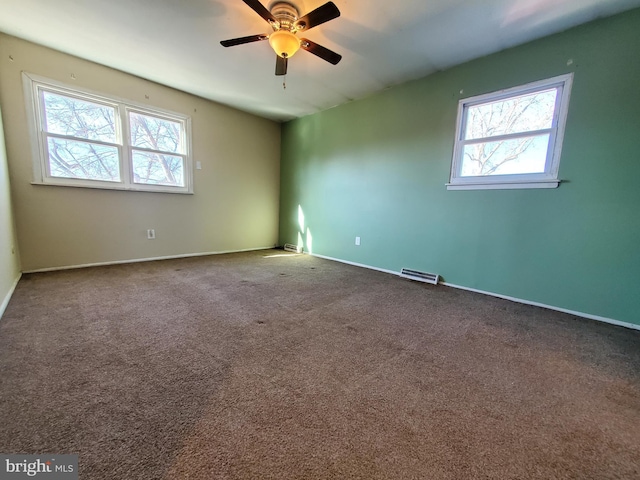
(117, 188)
(504, 185)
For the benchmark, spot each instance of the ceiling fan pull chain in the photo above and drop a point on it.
(284, 82)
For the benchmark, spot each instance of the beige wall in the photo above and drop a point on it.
(235, 205)
(9, 262)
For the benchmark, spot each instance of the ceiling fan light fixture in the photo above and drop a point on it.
(285, 19)
(284, 43)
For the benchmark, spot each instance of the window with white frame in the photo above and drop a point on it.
(511, 138)
(84, 139)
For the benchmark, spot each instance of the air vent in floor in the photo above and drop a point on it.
(290, 247)
(420, 276)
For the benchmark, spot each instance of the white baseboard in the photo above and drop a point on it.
(392, 272)
(138, 260)
(550, 307)
(598, 318)
(7, 297)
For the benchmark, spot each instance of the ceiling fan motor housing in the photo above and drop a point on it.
(286, 14)
(283, 40)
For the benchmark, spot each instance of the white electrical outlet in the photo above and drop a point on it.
(198, 166)
(358, 241)
(151, 234)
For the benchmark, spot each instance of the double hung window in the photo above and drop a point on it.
(88, 140)
(511, 138)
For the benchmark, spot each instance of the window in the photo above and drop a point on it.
(512, 138)
(87, 140)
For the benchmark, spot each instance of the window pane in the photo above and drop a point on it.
(156, 133)
(79, 118)
(508, 157)
(77, 159)
(157, 169)
(523, 113)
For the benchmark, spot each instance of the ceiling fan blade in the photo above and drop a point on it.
(320, 51)
(320, 15)
(261, 10)
(239, 41)
(281, 65)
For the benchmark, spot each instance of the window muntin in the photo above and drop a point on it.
(79, 141)
(511, 139)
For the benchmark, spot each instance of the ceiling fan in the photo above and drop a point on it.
(286, 22)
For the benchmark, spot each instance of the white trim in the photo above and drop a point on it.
(107, 99)
(33, 85)
(502, 186)
(140, 260)
(116, 186)
(362, 265)
(538, 85)
(9, 294)
(589, 316)
(547, 179)
(550, 307)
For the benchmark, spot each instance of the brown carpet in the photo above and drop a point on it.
(272, 365)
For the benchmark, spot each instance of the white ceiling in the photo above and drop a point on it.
(383, 43)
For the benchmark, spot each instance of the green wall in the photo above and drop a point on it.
(377, 168)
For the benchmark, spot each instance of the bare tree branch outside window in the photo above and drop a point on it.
(79, 125)
(83, 143)
(508, 136)
(158, 135)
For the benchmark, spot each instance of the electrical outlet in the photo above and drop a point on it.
(358, 241)
(151, 234)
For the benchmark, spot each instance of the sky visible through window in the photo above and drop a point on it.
(499, 138)
(83, 142)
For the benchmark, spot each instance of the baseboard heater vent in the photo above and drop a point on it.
(420, 276)
(290, 247)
